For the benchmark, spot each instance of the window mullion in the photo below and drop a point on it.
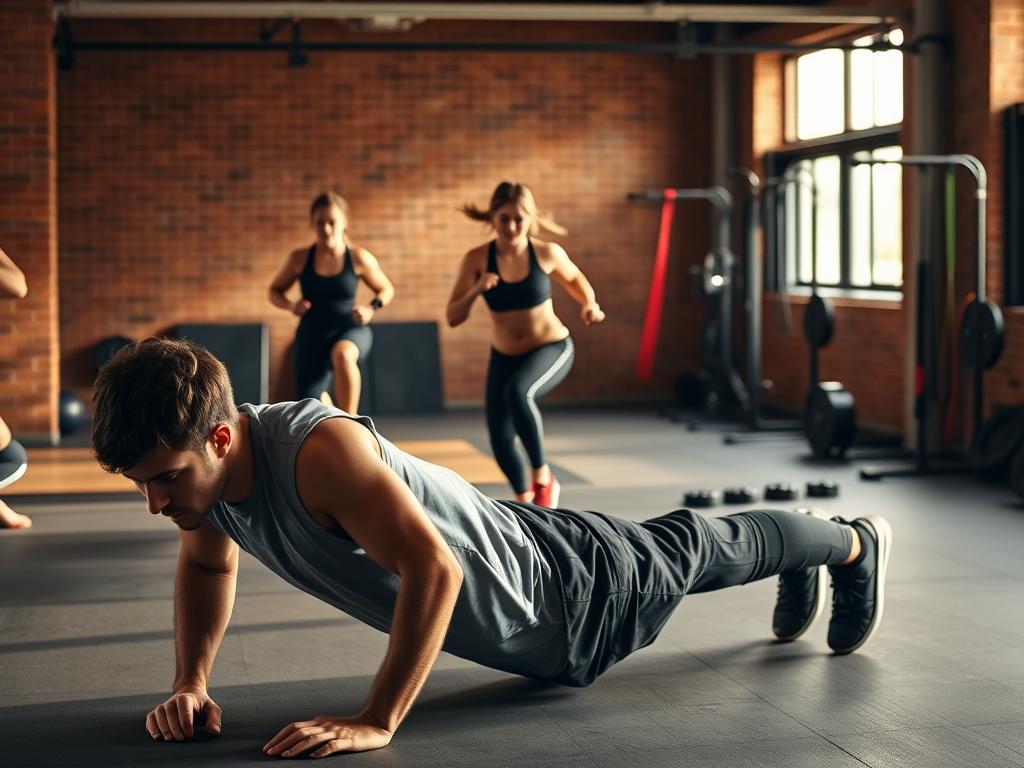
(847, 91)
(871, 226)
(844, 221)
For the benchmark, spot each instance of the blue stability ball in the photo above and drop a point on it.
(72, 413)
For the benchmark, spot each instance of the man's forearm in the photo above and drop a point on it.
(422, 614)
(203, 600)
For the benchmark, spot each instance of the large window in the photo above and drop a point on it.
(841, 102)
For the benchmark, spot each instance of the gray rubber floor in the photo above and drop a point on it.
(86, 638)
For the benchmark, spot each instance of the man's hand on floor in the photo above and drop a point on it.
(173, 720)
(328, 735)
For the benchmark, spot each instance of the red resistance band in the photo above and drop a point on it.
(656, 296)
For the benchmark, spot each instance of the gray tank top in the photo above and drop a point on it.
(508, 614)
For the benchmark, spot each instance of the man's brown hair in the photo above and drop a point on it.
(158, 393)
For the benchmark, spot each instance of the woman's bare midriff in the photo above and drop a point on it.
(523, 330)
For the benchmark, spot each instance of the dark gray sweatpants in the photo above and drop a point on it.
(621, 580)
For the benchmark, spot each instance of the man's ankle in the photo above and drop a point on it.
(855, 548)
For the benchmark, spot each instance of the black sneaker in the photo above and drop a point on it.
(859, 588)
(801, 597)
(13, 463)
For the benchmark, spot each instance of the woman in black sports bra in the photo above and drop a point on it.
(333, 332)
(531, 349)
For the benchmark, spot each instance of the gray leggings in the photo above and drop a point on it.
(621, 580)
(514, 382)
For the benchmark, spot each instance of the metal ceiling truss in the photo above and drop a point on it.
(389, 16)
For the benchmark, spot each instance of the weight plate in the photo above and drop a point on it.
(819, 322)
(823, 489)
(1017, 472)
(781, 492)
(739, 495)
(993, 446)
(700, 498)
(830, 421)
(981, 334)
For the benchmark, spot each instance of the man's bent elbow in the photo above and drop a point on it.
(448, 571)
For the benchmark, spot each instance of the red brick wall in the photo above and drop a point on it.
(185, 180)
(765, 107)
(28, 328)
(866, 354)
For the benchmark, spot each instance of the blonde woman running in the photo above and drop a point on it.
(531, 351)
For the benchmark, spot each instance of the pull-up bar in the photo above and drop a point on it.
(976, 169)
(719, 197)
(982, 321)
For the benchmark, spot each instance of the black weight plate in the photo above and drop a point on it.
(993, 446)
(739, 495)
(981, 334)
(830, 420)
(1017, 472)
(819, 322)
(700, 498)
(781, 492)
(823, 489)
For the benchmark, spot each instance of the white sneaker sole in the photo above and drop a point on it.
(883, 540)
(14, 476)
(821, 590)
(555, 493)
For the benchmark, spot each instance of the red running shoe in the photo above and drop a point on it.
(547, 495)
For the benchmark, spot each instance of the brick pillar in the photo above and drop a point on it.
(29, 370)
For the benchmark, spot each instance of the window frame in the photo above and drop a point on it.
(790, 90)
(844, 145)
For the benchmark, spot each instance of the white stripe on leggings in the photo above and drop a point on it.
(559, 362)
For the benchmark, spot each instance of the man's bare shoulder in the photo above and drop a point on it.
(340, 434)
(337, 458)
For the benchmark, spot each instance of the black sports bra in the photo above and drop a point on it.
(532, 290)
(335, 293)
